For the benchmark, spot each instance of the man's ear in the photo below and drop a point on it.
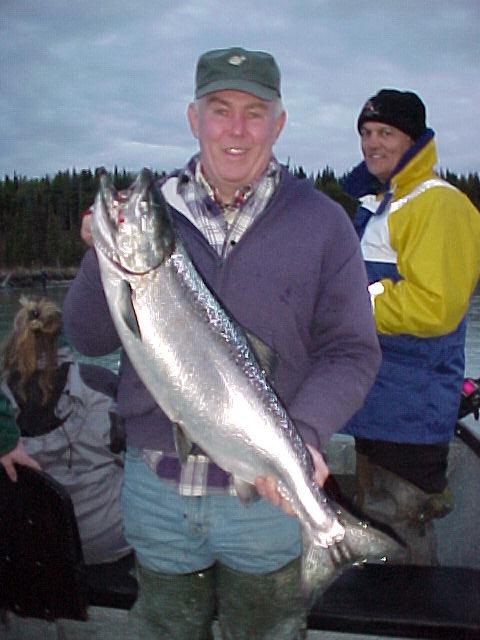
(282, 118)
(192, 115)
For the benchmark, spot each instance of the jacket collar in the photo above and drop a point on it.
(416, 164)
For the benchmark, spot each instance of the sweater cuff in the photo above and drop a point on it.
(9, 432)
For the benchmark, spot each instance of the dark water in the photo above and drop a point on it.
(9, 305)
(472, 365)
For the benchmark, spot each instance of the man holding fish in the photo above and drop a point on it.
(241, 236)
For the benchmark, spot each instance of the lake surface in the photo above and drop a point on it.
(9, 305)
(472, 364)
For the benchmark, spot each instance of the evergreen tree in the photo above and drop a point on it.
(40, 218)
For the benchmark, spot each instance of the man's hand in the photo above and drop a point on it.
(17, 456)
(86, 229)
(267, 486)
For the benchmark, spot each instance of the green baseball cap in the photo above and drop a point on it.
(254, 72)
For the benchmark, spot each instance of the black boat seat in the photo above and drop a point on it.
(43, 575)
(402, 601)
(42, 572)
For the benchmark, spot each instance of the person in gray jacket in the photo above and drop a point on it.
(64, 411)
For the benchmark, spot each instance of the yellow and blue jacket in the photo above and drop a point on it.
(421, 240)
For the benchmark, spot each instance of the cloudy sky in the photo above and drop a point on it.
(86, 83)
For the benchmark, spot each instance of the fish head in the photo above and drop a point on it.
(133, 227)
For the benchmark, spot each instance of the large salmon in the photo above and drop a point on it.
(203, 370)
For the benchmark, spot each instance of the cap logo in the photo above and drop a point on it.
(369, 109)
(236, 60)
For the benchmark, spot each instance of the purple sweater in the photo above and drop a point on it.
(297, 280)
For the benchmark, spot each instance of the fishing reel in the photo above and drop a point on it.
(470, 398)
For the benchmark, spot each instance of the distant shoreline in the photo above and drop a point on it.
(22, 277)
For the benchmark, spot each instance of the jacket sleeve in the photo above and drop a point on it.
(86, 317)
(438, 252)
(99, 379)
(9, 433)
(345, 354)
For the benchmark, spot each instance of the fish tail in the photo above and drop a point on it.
(368, 542)
(362, 542)
(317, 570)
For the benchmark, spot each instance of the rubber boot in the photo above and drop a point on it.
(387, 498)
(261, 607)
(173, 607)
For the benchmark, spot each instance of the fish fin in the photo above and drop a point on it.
(183, 445)
(317, 568)
(362, 542)
(369, 542)
(246, 492)
(266, 357)
(126, 309)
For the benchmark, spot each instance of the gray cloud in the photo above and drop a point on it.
(108, 82)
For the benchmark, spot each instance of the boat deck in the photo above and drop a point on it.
(445, 596)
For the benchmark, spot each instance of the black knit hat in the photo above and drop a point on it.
(401, 109)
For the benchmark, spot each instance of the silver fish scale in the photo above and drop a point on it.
(244, 429)
(233, 335)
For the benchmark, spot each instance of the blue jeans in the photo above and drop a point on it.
(182, 534)
(206, 557)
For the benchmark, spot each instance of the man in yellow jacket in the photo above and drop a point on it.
(420, 240)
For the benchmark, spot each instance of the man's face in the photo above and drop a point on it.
(236, 132)
(382, 147)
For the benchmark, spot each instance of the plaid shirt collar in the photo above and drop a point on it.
(223, 225)
(239, 199)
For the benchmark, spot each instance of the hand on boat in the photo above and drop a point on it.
(17, 456)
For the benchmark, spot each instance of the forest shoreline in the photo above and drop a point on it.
(31, 277)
